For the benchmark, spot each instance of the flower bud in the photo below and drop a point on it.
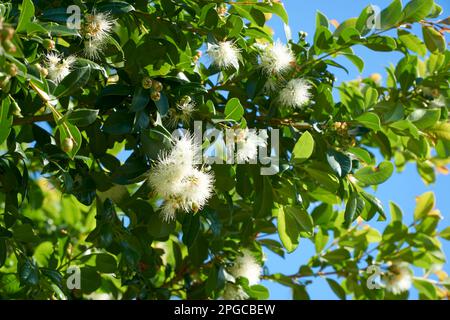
(48, 44)
(67, 145)
(147, 83)
(156, 96)
(157, 86)
(11, 69)
(9, 46)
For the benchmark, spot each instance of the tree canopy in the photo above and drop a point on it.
(93, 183)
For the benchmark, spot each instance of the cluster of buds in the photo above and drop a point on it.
(155, 86)
(222, 10)
(197, 56)
(341, 129)
(6, 37)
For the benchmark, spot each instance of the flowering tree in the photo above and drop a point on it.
(107, 187)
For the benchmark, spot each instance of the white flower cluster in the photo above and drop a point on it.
(58, 68)
(175, 178)
(245, 266)
(296, 93)
(224, 54)
(276, 59)
(96, 30)
(399, 278)
(248, 142)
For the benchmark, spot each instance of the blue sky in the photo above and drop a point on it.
(403, 187)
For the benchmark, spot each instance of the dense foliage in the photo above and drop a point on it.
(75, 99)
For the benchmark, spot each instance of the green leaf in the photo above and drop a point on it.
(349, 23)
(73, 82)
(424, 204)
(28, 272)
(304, 148)
(26, 15)
(5, 120)
(276, 8)
(444, 234)
(291, 222)
(42, 253)
(371, 175)
(90, 279)
(82, 117)
(361, 154)
(234, 110)
(441, 130)
(416, 10)
(3, 253)
(105, 263)
(337, 256)
(321, 20)
(425, 118)
(115, 7)
(258, 292)
(354, 207)
(381, 43)
(434, 40)
(140, 100)
(162, 104)
(412, 42)
(24, 233)
(323, 38)
(339, 162)
(370, 120)
(119, 123)
(370, 97)
(405, 128)
(357, 61)
(426, 288)
(391, 15)
(396, 212)
(337, 288)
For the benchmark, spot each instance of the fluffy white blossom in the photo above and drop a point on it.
(58, 68)
(96, 30)
(196, 188)
(234, 292)
(296, 93)
(182, 113)
(399, 278)
(175, 178)
(246, 266)
(224, 54)
(248, 142)
(276, 58)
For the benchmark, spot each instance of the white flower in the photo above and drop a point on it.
(172, 167)
(182, 186)
(224, 54)
(58, 68)
(296, 93)
(246, 266)
(277, 58)
(248, 142)
(96, 30)
(182, 113)
(234, 292)
(399, 279)
(270, 86)
(197, 188)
